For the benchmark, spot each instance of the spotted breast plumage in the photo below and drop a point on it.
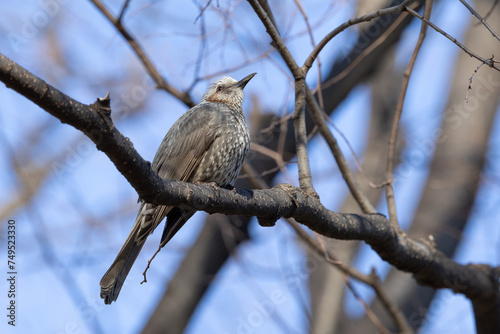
(206, 144)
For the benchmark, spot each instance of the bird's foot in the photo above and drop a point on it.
(212, 185)
(229, 187)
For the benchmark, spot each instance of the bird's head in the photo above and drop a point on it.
(227, 90)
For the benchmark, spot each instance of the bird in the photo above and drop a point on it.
(207, 144)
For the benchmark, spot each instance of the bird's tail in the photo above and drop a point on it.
(176, 218)
(112, 281)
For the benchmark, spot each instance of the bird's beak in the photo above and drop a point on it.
(243, 82)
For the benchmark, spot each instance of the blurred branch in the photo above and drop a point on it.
(480, 18)
(314, 54)
(278, 158)
(122, 12)
(491, 10)
(355, 67)
(490, 61)
(371, 280)
(451, 196)
(428, 265)
(278, 42)
(349, 178)
(160, 81)
(31, 181)
(389, 190)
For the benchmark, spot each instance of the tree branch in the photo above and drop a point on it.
(368, 17)
(349, 178)
(480, 18)
(428, 265)
(490, 61)
(299, 125)
(277, 41)
(148, 64)
(389, 190)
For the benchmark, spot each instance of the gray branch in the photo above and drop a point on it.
(429, 266)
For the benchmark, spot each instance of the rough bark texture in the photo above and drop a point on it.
(419, 257)
(459, 157)
(349, 71)
(327, 283)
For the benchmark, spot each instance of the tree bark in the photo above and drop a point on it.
(355, 67)
(460, 152)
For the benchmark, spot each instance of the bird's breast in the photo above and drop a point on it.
(222, 162)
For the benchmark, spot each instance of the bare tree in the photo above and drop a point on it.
(421, 258)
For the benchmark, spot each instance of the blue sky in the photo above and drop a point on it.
(71, 230)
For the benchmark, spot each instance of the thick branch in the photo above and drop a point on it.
(428, 265)
(93, 120)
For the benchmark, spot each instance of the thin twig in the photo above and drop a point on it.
(490, 63)
(472, 76)
(389, 189)
(202, 10)
(490, 10)
(299, 124)
(318, 245)
(480, 18)
(311, 37)
(371, 280)
(349, 178)
(122, 12)
(147, 63)
(278, 158)
(277, 40)
(315, 52)
(355, 156)
(305, 179)
(149, 264)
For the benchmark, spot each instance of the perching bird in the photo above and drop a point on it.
(206, 144)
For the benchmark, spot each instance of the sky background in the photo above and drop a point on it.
(71, 230)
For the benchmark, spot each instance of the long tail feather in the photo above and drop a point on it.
(147, 220)
(176, 218)
(112, 281)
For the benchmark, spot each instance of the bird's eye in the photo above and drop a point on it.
(219, 88)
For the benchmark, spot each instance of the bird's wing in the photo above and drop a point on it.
(187, 142)
(178, 156)
(181, 152)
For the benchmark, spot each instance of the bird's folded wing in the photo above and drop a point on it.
(179, 155)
